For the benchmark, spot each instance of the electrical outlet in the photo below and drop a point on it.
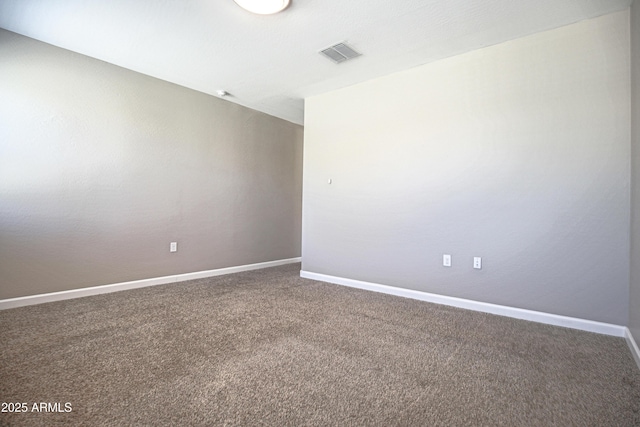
(446, 260)
(477, 262)
(173, 247)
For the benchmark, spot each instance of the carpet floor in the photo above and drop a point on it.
(270, 348)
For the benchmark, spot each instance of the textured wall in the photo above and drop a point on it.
(518, 153)
(101, 167)
(634, 294)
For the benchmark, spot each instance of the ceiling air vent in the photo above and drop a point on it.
(340, 52)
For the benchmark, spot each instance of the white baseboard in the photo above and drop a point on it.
(633, 346)
(103, 289)
(501, 310)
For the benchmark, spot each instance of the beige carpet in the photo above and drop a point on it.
(269, 348)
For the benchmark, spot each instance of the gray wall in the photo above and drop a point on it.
(634, 291)
(101, 167)
(518, 153)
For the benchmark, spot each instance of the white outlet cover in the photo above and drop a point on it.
(446, 260)
(477, 262)
(173, 247)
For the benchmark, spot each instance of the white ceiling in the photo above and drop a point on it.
(271, 63)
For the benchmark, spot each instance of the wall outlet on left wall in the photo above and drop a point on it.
(173, 247)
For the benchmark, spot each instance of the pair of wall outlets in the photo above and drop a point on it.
(446, 261)
(173, 247)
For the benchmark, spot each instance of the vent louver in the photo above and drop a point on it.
(340, 52)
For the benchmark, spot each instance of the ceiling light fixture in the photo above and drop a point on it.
(263, 7)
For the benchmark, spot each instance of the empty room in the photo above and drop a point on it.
(323, 213)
